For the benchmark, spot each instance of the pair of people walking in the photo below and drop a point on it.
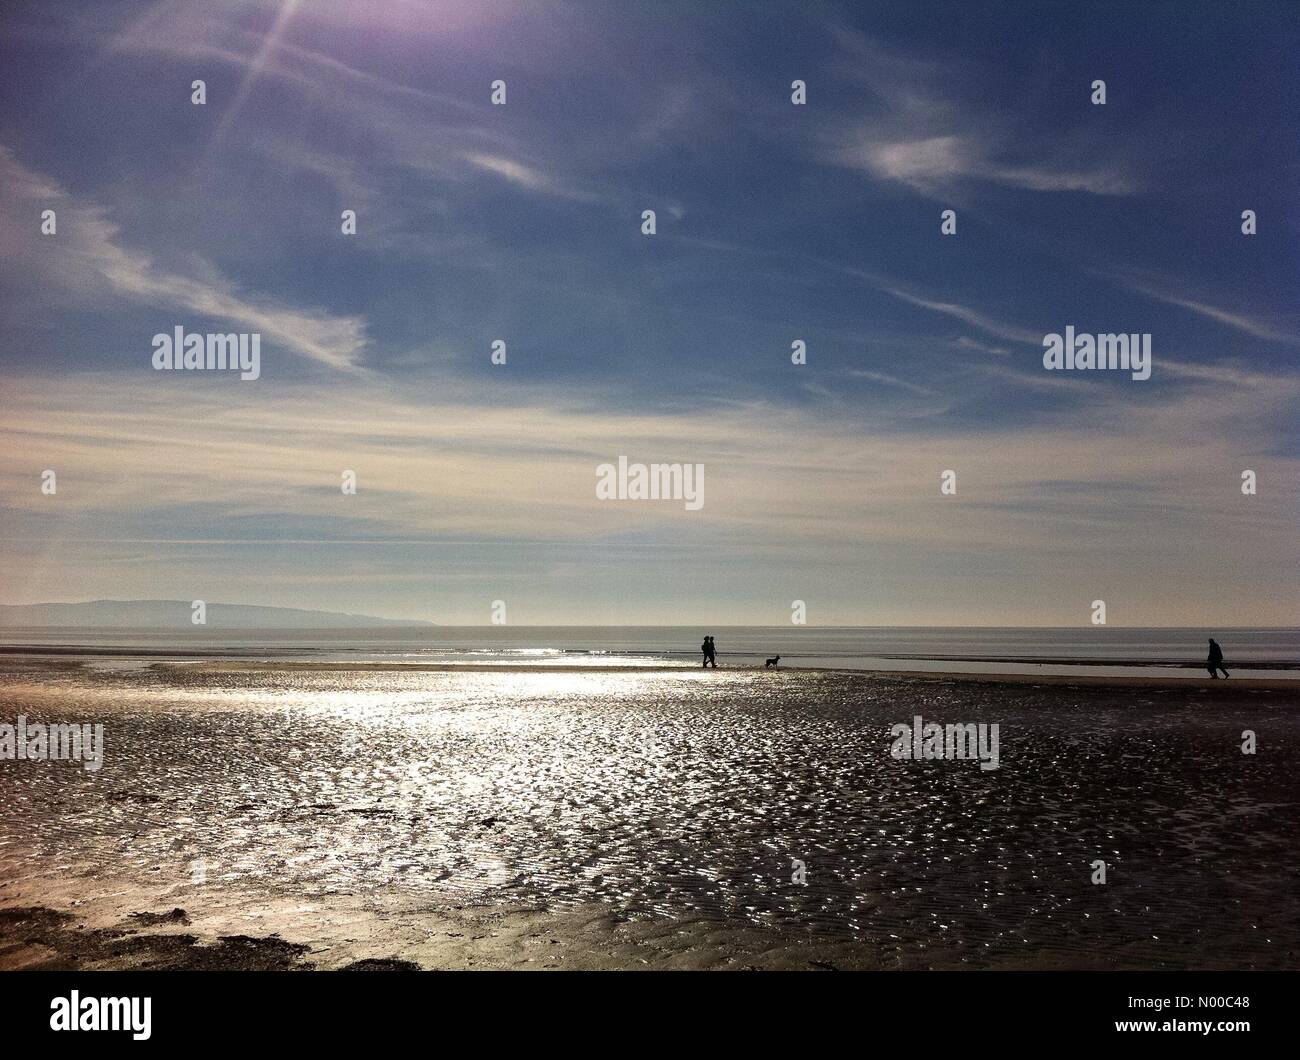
(710, 652)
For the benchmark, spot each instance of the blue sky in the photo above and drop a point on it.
(775, 222)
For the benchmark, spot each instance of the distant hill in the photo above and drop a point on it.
(175, 614)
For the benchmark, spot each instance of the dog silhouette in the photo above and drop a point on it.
(773, 662)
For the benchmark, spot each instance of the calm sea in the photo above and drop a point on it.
(1063, 650)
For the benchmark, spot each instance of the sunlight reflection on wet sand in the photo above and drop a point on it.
(683, 793)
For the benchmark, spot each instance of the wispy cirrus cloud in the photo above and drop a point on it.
(933, 164)
(1234, 318)
(1225, 374)
(967, 343)
(924, 134)
(89, 257)
(524, 175)
(890, 380)
(434, 133)
(967, 315)
(538, 445)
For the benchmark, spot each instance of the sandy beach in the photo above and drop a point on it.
(273, 815)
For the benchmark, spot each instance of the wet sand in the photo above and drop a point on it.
(1280, 683)
(283, 816)
(348, 935)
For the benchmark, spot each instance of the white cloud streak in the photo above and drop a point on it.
(88, 257)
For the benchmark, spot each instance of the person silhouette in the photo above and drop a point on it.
(713, 652)
(1215, 662)
(705, 648)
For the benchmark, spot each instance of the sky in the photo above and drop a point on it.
(775, 222)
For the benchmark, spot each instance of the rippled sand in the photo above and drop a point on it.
(628, 818)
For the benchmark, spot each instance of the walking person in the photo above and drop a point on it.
(713, 652)
(1215, 662)
(707, 649)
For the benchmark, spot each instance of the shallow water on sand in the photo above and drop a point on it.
(682, 794)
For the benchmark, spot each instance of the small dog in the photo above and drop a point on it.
(773, 662)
